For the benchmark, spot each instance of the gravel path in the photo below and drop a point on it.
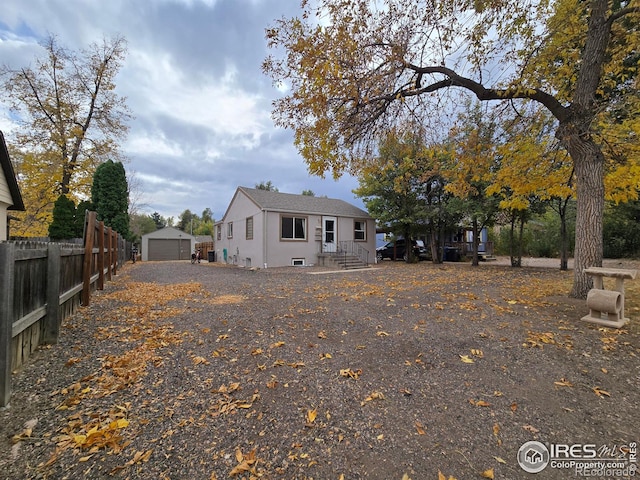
(399, 371)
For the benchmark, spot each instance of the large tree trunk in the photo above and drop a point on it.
(512, 242)
(589, 168)
(575, 134)
(435, 245)
(475, 261)
(564, 235)
(520, 239)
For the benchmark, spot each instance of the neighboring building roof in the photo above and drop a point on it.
(10, 177)
(168, 232)
(204, 238)
(292, 203)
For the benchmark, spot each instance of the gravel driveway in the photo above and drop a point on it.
(399, 371)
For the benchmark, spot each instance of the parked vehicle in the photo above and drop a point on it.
(397, 250)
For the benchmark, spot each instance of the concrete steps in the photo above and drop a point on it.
(348, 262)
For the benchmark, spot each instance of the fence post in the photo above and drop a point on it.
(109, 252)
(7, 268)
(52, 320)
(101, 255)
(114, 234)
(90, 229)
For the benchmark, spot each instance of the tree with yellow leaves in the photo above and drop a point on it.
(405, 191)
(470, 168)
(533, 168)
(353, 68)
(71, 120)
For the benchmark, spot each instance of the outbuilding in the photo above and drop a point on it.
(168, 243)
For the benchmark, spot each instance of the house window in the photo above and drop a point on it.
(298, 262)
(219, 232)
(249, 232)
(293, 228)
(360, 230)
(230, 230)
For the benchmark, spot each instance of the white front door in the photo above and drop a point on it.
(329, 234)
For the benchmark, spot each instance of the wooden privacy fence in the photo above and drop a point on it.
(42, 283)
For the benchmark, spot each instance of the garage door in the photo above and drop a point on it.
(169, 249)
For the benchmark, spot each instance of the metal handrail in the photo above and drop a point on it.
(349, 247)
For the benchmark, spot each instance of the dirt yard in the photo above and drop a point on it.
(400, 371)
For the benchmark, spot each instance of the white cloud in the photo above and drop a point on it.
(193, 83)
(214, 104)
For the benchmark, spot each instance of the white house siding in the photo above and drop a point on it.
(239, 249)
(5, 193)
(3, 221)
(5, 202)
(282, 252)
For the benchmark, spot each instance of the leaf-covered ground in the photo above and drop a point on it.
(401, 371)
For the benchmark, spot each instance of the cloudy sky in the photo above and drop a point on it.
(193, 82)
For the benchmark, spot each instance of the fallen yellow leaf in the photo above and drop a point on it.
(488, 474)
(347, 372)
(311, 415)
(442, 477)
(563, 383)
(374, 396)
(120, 423)
(466, 359)
(598, 391)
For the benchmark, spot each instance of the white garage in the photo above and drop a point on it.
(167, 244)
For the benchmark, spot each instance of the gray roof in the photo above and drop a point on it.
(10, 176)
(288, 202)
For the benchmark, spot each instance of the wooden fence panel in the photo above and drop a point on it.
(7, 260)
(41, 284)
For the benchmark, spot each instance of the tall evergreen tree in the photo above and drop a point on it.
(110, 196)
(63, 224)
(159, 220)
(83, 206)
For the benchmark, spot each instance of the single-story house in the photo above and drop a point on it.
(262, 228)
(10, 197)
(168, 243)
